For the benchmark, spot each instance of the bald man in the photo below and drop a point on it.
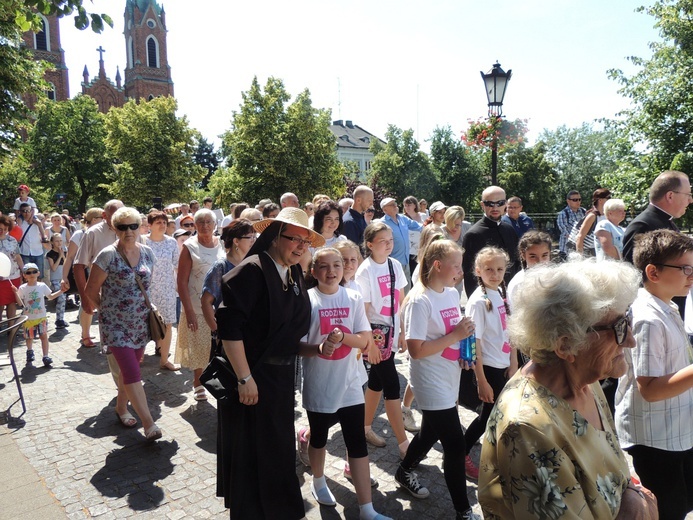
(489, 231)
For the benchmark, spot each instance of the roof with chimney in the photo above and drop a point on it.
(349, 135)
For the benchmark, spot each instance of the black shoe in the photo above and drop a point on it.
(30, 356)
(410, 482)
(47, 361)
(60, 324)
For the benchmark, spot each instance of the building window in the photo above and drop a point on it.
(42, 38)
(152, 53)
(151, 24)
(51, 92)
(150, 97)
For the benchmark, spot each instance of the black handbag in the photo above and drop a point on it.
(469, 393)
(218, 377)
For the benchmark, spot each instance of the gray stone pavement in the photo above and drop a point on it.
(82, 463)
(68, 456)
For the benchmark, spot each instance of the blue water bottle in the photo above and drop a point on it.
(468, 349)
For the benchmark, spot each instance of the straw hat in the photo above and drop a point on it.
(296, 217)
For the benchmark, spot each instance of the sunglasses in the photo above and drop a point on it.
(125, 227)
(26, 211)
(249, 237)
(575, 200)
(33, 271)
(492, 203)
(188, 225)
(620, 327)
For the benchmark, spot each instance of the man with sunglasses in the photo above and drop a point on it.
(489, 231)
(34, 242)
(567, 218)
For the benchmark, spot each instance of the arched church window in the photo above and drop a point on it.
(152, 53)
(41, 37)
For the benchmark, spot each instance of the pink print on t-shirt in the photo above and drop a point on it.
(501, 310)
(384, 284)
(451, 317)
(329, 319)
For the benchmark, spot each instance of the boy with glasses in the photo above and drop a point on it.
(32, 296)
(654, 401)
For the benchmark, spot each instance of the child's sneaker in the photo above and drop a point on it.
(30, 356)
(47, 361)
(60, 324)
(409, 481)
(470, 469)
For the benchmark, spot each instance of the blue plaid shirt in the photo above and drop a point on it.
(565, 221)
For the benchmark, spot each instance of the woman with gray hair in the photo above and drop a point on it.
(550, 449)
(608, 233)
(198, 255)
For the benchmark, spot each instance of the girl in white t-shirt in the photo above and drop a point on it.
(332, 384)
(352, 260)
(383, 297)
(433, 327)
(534, 248)
(496, 361)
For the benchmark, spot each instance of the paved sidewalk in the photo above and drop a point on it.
(68, 456)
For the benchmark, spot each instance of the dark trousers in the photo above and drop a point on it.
(443, 425)
(669, 475)
(496, 378)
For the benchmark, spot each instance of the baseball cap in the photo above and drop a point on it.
(386, 202)
(28, 266)
(437, 206)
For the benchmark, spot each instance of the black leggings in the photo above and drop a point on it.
(383, 377)
(669, 475)
(443, 425)
(350, 418)
(496, 378)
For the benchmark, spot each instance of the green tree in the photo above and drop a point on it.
(528, 174)
(661, 91)
(581, 157)
(400, 167)
(458, 169)
(273, 148)
(207, 157)
(153, 152)
(67, 151)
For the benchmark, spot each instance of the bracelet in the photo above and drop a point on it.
(341, 340)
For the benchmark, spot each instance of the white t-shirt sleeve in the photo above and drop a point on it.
(416, 318)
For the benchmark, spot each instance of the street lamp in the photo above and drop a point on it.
(495, 82)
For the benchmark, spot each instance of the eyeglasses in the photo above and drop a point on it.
(125, 227)
(492, 203)
(188, 225)
(370, 211)
(620, 326)
(684, 193)
(575, 200)
(252, 238)
(298, 241)
(33, 271)
(26, 211)
(687, 269)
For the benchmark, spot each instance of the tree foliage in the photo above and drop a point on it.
(526, 173)
(273, 148)
(661, 92)
(24, 13)
(153, 152)
(67, 151)
(207, 157)
(457, 168)
(400, 167)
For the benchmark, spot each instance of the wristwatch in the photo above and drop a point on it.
(245, 379)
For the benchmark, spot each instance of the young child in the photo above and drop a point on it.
(382, 296)
(496, 361)
(654, 400)
(23, 198)
(31, 295)
(434, 327)
(56, 259)
(534, 248)
(332, 381)
(352, 260)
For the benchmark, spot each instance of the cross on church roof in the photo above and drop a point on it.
(101, 50)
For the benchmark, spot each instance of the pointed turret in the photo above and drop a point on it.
(85, 75)
(118, 78)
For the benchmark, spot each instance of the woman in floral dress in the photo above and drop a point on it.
(163, 280)
(10, 247)
(550, 449)
(112, 288)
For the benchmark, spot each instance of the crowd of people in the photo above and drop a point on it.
(572, 357)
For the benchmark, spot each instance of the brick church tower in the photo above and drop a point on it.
(45, 45)
(147, 74)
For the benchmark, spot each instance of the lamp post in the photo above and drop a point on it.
(495, 82)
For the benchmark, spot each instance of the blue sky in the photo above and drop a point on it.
(409, 63)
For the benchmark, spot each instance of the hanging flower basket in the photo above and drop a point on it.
(483, 133)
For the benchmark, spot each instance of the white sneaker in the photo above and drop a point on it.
(323, 496)
(409, 421)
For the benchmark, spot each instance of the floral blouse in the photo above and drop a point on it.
(542, 460)
(10, 247)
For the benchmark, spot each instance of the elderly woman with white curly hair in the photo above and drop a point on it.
(550, 449)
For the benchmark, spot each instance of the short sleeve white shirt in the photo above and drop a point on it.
(331, 383)
(435, 378)
(34, 299)
(490, 327)
(662, 348)
(616, 233)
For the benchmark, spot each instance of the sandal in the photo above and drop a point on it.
(127, 420)
(170, 366)
(200, 393)
(157, 351)
(152, 433)
(87, 342)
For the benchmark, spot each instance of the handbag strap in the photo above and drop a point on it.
(137, 277)
(25, 233)
(392, 291)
